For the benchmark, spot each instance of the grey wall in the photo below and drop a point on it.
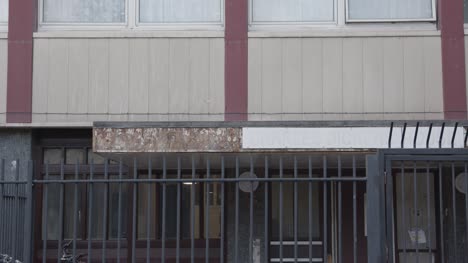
(15, 144)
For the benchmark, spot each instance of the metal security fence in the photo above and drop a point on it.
(15, 215)
(394, 206)
(426, 205)
(194, 208)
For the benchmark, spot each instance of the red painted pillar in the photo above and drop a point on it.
(236, 60)
(451, 20)
(21, 25)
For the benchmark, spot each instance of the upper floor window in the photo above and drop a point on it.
(180, 11)
(130, 13)
(391, 10)
(465, 5)
(83, 11)
(331, 11)
(3, 11)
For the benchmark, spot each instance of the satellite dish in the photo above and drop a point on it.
(248, 186)
(460, 182)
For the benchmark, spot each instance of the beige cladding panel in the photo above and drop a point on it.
(81, 80)
(3, 79)
(345, 78)
(115, 140)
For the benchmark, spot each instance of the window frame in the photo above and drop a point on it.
(399, 20)
(131, 23)
(341, 19)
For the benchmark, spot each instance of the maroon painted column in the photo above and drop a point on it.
(21, 24)
(453, 58)
(236, 63)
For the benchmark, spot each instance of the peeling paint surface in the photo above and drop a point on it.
(167, 139)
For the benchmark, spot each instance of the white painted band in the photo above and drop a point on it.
(347, 138)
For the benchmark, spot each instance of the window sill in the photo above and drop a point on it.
(343, 33)
(131, 34)
(3, 35)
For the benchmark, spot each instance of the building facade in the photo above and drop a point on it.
(233, 130)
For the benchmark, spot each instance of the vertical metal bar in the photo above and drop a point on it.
(178, 211)
(416, 135)
(340, 230)
(281, 209)
(236, 224)
(415, 204)
(454, 134)
(61, 200)
(428, 209)
(441, 213)
(207, 213)
(2, 206)
(375, 206)
(325, 218)
(222, 211)
(466, 201)
(75, 210)
(390, 136)
(119, 217)
(90, 209)
(441, 135)
(295, 210)
(28, 214)
(403, 136)
(311, 219)
(163, 223)
(148, 211)
(429, 136)
(251, 221)
(403, 211)
(16, 211)
(266, 230)
(45, 212)
(134, 208)
(355, 240)
(454, 209)
(105, 205)
(192, 221)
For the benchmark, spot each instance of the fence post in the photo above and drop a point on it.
(28, 215)
(375, 211)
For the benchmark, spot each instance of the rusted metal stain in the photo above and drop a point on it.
(167, 139)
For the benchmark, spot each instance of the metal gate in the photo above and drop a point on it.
(425, 208)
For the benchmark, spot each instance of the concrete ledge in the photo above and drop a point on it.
(343, 33)
(129, 34)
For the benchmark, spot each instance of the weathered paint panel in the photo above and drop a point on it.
(158, 90)
(40, 80)
(57, 90)
(351, 78)
(3, 79)
(272, 89)
(312, 79)
(373, 75)
(80, 80)
(167, 139)
(98, 97)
